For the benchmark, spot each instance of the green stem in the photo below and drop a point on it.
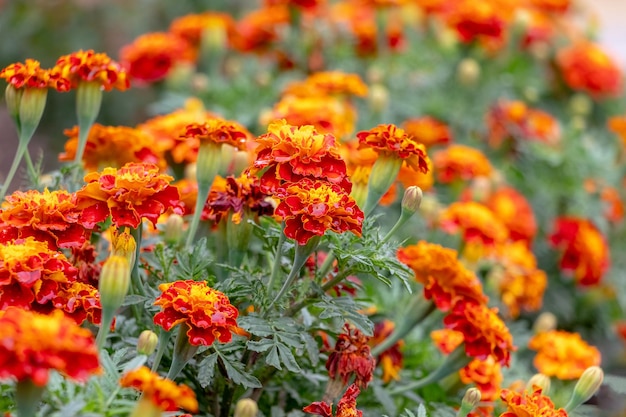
(105, 326)
(164, 338)
(32, 172)
(203, 194)
(183, 352)
(326, 265)
(404, 217)
(136, 233)
(21, 149)
(88, 101)
(276, 266)
(28, 396)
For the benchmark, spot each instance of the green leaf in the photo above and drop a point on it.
(273, 358)
(383, 397)
(134, 363)
(421, 411)
(288, 359)
(132, 299)
(312, 349)
(346, 309)
(206, 370)
(236, 372)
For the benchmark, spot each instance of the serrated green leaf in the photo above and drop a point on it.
(134, 363)
(272, 358)
(312, 349)
(206, 370)
(421, 411)
(132, 299)
(256, 326)
(236, 373)
(288, 359)
(347, 309)
(259, 346)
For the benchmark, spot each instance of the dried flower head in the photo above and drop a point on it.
(351, 357)
(345, 408)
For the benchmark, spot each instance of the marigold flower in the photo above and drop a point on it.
(258, 29)
(485, 334)
(486, 374)
(92, 67)
(192, 27)
(389, 139)
(128, 194)
(112, 146)
(551, 6)
(460, 163)
(345, 408)
(390, 360)
(475, 221)
(206, 311)
(515, 120)
(525, 404)
(216, 131)
(472, 21)
(309, 208)
(446, 340)
(515, 212)
(79, 301)
(585, 250)
(164, 393)
(563, 354)
(586, 67)
(288, 153)
(30, 271)
(32, 344)
(328, 83)
(152, 56)
(31, 75)
(444, 278)
(351, 357)
(49, 216)
(428, 131)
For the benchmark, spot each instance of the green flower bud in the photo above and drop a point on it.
(173, 232)
(588, 384)
(412, 199)
(147, 342)
(246, 407)
(539, 380)
(114, 282)
(470, 400)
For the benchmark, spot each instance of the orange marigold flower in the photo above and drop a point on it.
(484, 333)
(112, 146)
(207, 312)
(192, 27)
(129, 194)
(79, 301)
(444, 278)
(49, 216)
(328, 83)
(237, 195)
(475, 221)
(485, 20)
(164, 393)
(29, 272)
(389, 139)
(216, 131)
(345, 408)
(525, 404)
(258, 29)
(514, 120)
(351, 357)
(563, 354)
(32, 344)
(390, 360)
(289, 153)
(486, 374)
(586, 67)
(515, 212)
(152, 56)
(310, 207)
(92, 67)
(617, 125)
(520, 283)
(585, 250)
(428, 131)
(446, 340)
(551, 6)
(31, 75)
(460, 163)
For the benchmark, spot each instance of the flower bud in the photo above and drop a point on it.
(545, 322)
(246, 407)
(123, 244)
(468, 72)
(470, 400)
(147, 342)
(173, 232)
(539, 380)
(580, 105)
(588, 384)
(412, 199)
(378, 98)
(114, 282)
(32, 104)
(13, 96)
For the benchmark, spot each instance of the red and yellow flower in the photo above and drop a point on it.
(163, 393)
(476, 222)
(428, 131)
(193, 27)
(345, 408)
(391, 140)
(311, 207)
(134, 192)
(214, 131)
(460, 163)
(526, 404)
(258, 29)
(515, 212)
(351, 357)
(446, 340)
(112, 146)
(484, 21)
(88, 66)
(207, 312)
(584, 66)
(152, 56)
(563, 354)
(328, 83)
(48, 216)
(30, 75)
(585, 250)
(514, 120)
(484, 333)
(32, 344)
(486, 374)
(79, 301)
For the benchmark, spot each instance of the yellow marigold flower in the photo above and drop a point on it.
(445, 279)
(391, 140)
(527, 404)
(128, 195)
(328, 83)
(90, 66)
(475, 221)
(460, 162)
(486, 374)
(207, 312)
(112, 146)
(520, 283)
(563, 354)
(428, 131)
(192, 27)
(163, 393)
(31, 75)
(32, 344)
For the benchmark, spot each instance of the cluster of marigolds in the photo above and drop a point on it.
(312, 174)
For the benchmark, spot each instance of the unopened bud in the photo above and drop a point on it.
(468, 72)
(588, 384)
(173, 232)
(123, 244)
(470, 400)
(32, 104)
(114, 282)
(378, 98)
(412, 199)
(545, 322)
(246, 407)
(147, 342)
(539, 381)
(13, 96)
